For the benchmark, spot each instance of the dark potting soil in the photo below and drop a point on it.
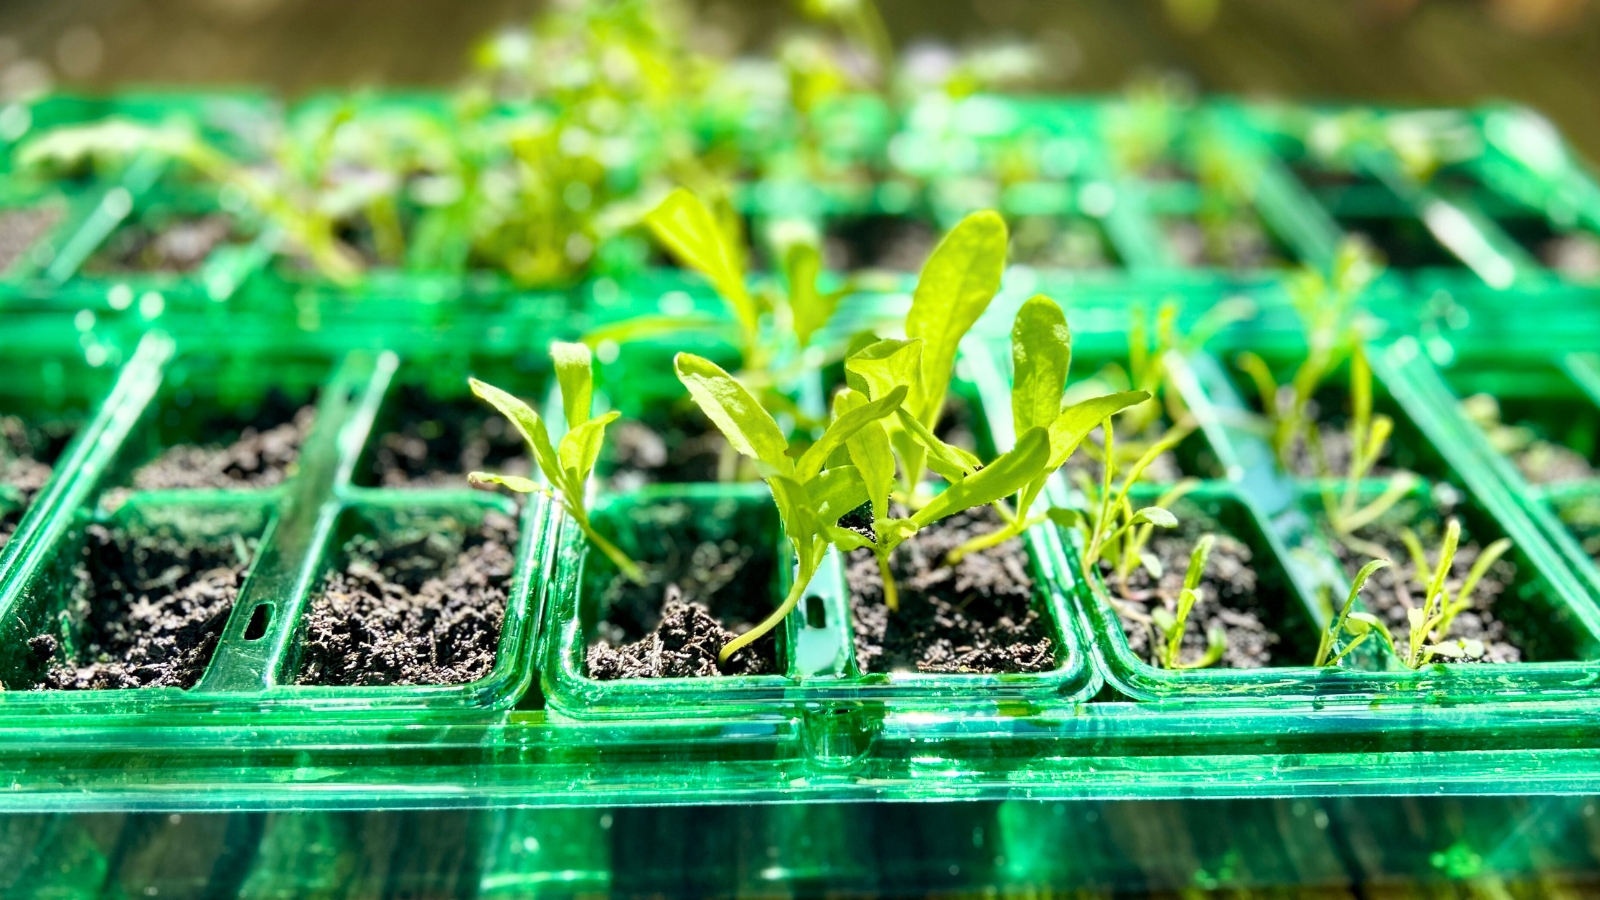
(1393, 590)
(20, 229)
(435, 442)
(418, 605)
(262, 456)
(152, 607)
(678, 447)
(697, 596)
(26, 455)
(1228, 596)
(889, 243)
(180, 245)
(974, 617)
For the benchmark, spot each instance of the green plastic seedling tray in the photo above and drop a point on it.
(168, 395)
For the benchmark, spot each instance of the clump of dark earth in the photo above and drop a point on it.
(973, 617)
(436, 442)
(697, 596)
(417, 606)
(679, 447)
(262, 456)
(26, 455)
(180, 246)
(151, 605)
(1391, 591)
(1228, 596)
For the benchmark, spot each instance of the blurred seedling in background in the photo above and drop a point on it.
(1172, 623)
(1368, 436)
(1327, 311)
(1540, 461)
(566, 464)
(810, 493)
(1351, 626)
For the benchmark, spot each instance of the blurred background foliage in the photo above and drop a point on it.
(1545, 53)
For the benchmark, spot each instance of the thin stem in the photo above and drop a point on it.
(612, 551)
(891, 594)
(983, 542)
(801, 582)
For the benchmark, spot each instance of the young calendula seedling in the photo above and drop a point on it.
(810, 494)
(956, 286)
(1327, 309)
(1173, 623)
(567, 464)
(1368, 434)
(1355, 626)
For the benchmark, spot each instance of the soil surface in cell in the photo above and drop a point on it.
(20, 229)
(263, 456)
(974, 617)
(152, 607)
(677, 447)
(26, 455)
(698, 596)
(415, 606)
(886, 243)
(180, 245)
(1393, 590)
(1228, 597)
(435, 442)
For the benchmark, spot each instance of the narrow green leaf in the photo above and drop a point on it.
(575, 374)
(1197, 559)
(639, 328)
(1041, 353)
(515, 482)
(1154, 515)
(957, 284)
(532, 427)
(748, 428)
(950, 462)
(842, 428)
(1068, 429)
(810, 308)
(580, 448)
(686, 227)
(885, 365)
(1001, 478)
(835, 492)
(871, 453)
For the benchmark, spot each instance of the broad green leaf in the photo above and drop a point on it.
(1359, 623)
(794, 508)
(957, 284)
(528, 422)
(1001, 478)
(1154, 515)
(871, 453)
(858, 342)
(1075, 422)
(1041, 353)
(842, 428)
(515, 482)
(580, 448)
(1066, 518)
(575, 374)
(844, 538)
(835, 492)
(810, 308)
(885, 365)
(950, 462)
(686, 227)
(748, 428)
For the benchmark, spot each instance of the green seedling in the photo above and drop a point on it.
(1173, 623)
(1041, 354)
(1430, 624)
(1327, 309)
(1368, 435)
(810, 494)
(566, 465)
(1355, 626)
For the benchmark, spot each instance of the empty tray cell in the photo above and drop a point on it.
(43, 402)
(176, 234)
(224, 422)
(1536, 416)
(433, 431)
(410, 596)
(135, 599)
(1245, 595)
(891, 243)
